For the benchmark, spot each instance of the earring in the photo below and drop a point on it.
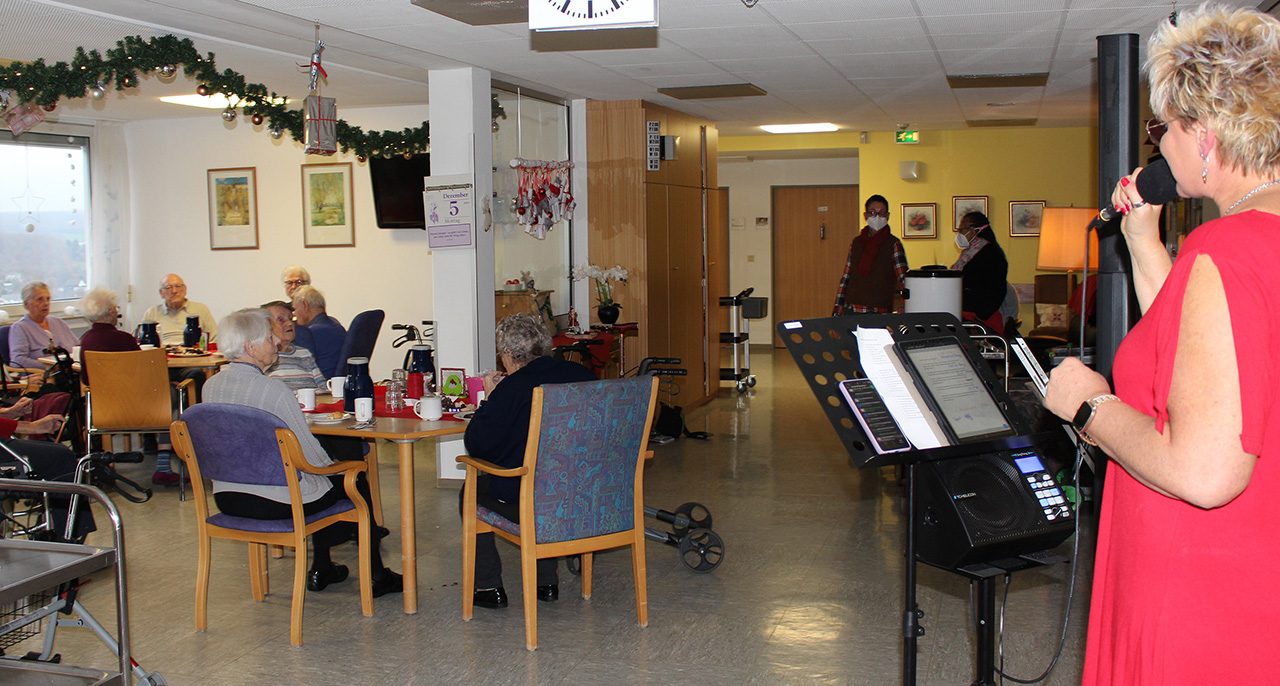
(1204, 174)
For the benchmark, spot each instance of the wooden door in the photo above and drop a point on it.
(812, 229)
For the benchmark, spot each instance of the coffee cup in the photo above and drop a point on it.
(146, 346)
(364, 409)
(429, 408)
(335, 386)
(307, 398)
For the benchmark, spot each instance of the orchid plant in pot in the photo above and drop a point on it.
(606, 308)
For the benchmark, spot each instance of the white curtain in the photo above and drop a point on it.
(111, 228)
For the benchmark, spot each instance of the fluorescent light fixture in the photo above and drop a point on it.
(217, 101)
(800, 128)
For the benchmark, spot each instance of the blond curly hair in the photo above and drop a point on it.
(1221, 67)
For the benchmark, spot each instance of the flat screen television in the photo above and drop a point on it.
(397, 190)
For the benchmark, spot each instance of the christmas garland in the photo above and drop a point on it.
(90, 73)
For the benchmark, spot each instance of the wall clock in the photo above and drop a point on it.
(571, 15)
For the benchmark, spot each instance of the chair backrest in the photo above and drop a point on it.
(4, 344)
(130, 389)
(236, 443)
(591, 439)
(362, 336)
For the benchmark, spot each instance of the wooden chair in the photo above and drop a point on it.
(246, 445)
(582, 486)
(130, 394)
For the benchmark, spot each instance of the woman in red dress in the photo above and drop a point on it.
(1185, 585)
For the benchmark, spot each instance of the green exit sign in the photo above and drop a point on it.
(906, 137)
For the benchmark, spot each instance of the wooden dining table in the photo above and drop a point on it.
(209, 362)
(404, 433)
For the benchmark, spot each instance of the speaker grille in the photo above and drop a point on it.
(991, 494)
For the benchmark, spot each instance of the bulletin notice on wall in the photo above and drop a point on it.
(653, 131)
(449, 206)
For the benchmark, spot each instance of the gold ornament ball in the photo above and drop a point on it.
(361, 159)
(167, 71)
(50, 107)
(229, 115)
(202, 89)
(258, 119)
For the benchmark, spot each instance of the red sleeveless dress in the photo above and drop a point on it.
(1183, 595)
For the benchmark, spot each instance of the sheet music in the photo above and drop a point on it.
(881, 365)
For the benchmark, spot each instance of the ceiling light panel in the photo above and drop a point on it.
(800, 128)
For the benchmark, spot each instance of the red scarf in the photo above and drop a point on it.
(871, 242)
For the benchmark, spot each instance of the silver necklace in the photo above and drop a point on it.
(1250, 194)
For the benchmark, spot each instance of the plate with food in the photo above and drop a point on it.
(184, 351)
(328, 417)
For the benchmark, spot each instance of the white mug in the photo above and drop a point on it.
(146, 346)
(429, 408)
(364, 409)
(335, 386)
(307, 398)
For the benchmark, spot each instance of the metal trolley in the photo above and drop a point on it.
(37, 584)
(742, 309)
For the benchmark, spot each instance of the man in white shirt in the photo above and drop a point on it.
(172, 315)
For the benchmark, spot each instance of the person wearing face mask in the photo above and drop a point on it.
(985, 271)
(876, 266)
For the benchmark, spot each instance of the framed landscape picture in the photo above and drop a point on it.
(1025, 216)
(920, 220)
(233, 209)
(328, 219)
(964, 204)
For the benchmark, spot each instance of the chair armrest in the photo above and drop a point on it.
(185, 385)
(648, 454)
(491, 468)
(335, 468)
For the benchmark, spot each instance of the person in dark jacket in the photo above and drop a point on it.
(498, 433)
(985, 269)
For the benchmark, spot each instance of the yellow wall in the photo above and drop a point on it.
(1058, 166)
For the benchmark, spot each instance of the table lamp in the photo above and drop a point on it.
(1062, 240)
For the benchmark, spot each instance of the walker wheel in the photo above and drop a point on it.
(702, 550)
(699, 518)
(751, 381)
(742, 386)
(574, 564)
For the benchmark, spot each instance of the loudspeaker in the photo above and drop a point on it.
(910, 169)
(984, 508)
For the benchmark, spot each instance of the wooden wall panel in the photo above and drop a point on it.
(688, 314)
(615, 184)
(657, 340)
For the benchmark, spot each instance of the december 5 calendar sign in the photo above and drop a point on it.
(450, 211)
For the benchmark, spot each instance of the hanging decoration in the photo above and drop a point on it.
(322, 115)
(40, 86)
(543, 197)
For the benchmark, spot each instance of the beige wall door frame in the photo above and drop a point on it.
(812, 229)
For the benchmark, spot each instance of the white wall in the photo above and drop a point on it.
(168, 159)
(751, 247)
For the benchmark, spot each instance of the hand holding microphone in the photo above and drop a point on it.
(1155, 185)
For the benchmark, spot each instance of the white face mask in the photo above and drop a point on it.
(877, 223)
(962, 241)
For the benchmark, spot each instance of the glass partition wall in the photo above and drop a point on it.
(534, 129)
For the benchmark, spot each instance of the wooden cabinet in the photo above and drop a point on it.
(661, 226)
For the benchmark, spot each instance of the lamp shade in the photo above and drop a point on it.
(1062, 236)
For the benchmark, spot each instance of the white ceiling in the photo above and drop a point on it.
(861, 64)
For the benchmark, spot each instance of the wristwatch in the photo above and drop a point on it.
(1084, 415)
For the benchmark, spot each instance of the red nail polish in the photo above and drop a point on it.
(1124, 181)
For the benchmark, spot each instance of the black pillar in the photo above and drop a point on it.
(1117, 156)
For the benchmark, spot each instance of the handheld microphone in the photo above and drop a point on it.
(1156, 185)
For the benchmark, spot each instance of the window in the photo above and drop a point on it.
(44, 214)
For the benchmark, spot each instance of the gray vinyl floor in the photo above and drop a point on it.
(810, 590)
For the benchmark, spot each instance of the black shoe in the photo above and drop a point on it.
(549, 593)
(493, 598)
(319, 579)
(387, 581)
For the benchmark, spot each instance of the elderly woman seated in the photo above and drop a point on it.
(101, 307)
(295, 366)
(37, 331)
(246, 339)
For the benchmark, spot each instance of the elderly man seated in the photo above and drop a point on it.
(293, 277)
(101, 307)
(32, 335)
(49, 462)
(327, 333)
(498, 432)
(250, 345)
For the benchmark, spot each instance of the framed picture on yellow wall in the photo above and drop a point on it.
(920, 220)
(964, 204)
(1025, 216)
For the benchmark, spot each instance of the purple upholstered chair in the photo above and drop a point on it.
(246, 445)
(582, 486)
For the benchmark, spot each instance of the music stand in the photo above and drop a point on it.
(826, 352)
